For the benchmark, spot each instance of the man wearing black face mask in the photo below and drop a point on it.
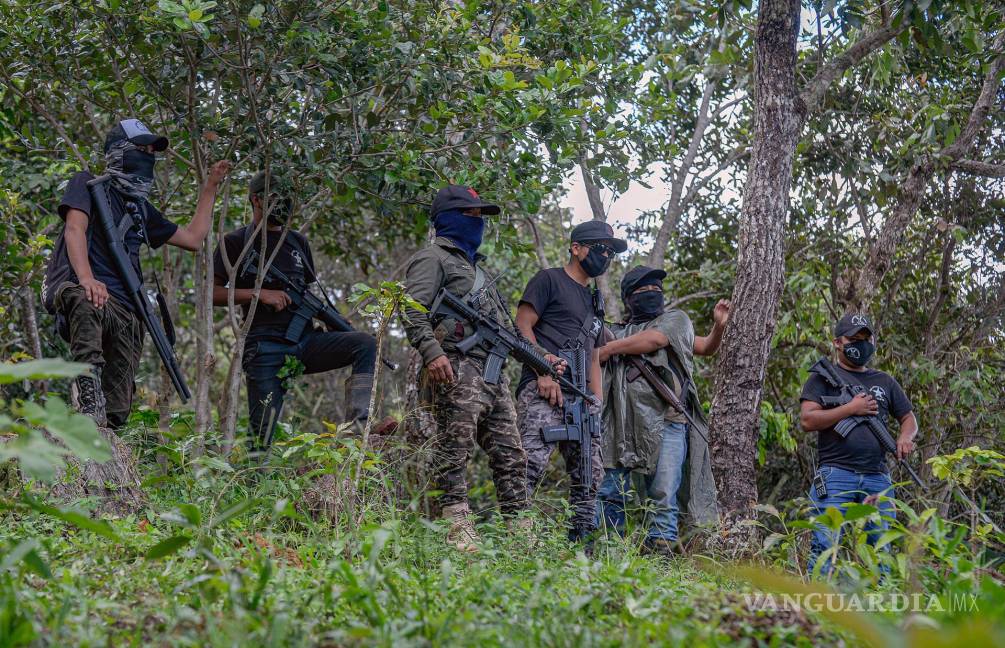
(643, 432)
(266, 347)
(852, 469)
(83, 287)
(558, 311)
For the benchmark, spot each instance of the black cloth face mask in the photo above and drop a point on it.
(646, 305)
(859, 352)
(595, 263)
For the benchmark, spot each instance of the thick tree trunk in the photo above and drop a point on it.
(115, 483)
(778, 120)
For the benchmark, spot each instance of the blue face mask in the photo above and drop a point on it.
(465, 231)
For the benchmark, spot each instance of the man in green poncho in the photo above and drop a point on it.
(643, 431)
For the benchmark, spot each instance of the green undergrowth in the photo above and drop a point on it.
(269, 576)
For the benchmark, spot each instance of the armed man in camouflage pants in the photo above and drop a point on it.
(465, 408)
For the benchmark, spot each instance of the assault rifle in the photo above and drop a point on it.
(826, 370)
(639, 366)
(306, 305)
(115, 236)
(579, 424)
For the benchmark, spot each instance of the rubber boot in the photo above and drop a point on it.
(357, 399)
(462, 535)
(87, 397)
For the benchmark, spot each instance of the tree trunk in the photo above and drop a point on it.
(778, 120)
(206, 360)
(862, 288)
(115, 483)
(612, 305)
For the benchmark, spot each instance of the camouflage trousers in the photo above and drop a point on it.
(534, 413)
(469, 410)
(109, 338)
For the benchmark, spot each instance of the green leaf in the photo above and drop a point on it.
(232, 512)
(167, 547)
(40, 369)
(76, 431)
(191, 513)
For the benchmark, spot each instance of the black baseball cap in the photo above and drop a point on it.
(851, 324)
(641, 276)
(462, 198)
(136, 132)
(595, 230)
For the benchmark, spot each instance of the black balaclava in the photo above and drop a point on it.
(645, 305)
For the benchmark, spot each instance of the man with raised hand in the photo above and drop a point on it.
(83, 287)
(653, 420)
(466, 408)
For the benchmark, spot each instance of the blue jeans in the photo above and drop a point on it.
(846, 487)
(661, 488)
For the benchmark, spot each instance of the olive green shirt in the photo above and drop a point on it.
(635, 415)
(442, 265)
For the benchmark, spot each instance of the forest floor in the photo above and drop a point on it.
(224, 558)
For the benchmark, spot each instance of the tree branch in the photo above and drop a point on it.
(976, 167)
(813, 94)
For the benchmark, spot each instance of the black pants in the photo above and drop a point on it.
(318, 351)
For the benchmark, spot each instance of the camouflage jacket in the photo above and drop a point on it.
(634, 414)
(442, 264)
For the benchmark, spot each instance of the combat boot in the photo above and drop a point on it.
(462, 535)
(661, 547)
(357, 399)
(87, 397)
(585, 535)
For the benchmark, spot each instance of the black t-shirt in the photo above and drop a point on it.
(158, 231)
(859, 451)
(562, 305)
(293, 259)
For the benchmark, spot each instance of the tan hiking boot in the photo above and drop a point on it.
(462, 535)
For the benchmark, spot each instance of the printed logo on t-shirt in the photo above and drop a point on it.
(297, 260)
(878, 393)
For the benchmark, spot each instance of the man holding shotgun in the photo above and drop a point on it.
(653, 420)
(100, 311)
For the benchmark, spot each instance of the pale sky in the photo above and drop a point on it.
(624, 211)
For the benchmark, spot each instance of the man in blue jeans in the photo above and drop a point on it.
(852, 469)
(642, 431)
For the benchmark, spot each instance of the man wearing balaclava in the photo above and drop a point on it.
(267, 347)
(92, 307)
(643, 432)
(559, 311)
(851, 469)
(466, 409)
